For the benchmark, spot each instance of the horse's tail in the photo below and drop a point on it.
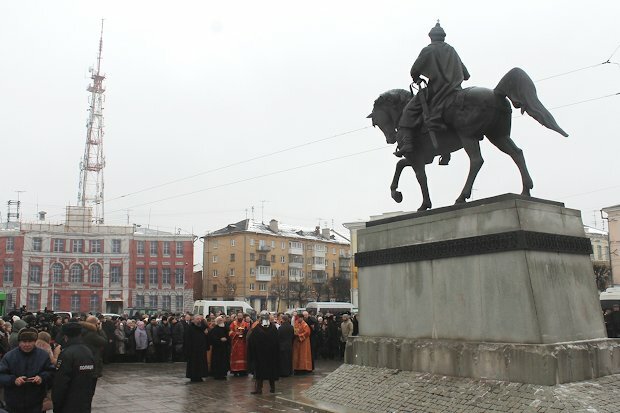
(517, 86)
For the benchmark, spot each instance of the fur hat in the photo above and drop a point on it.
(72, 329)
(27, 334)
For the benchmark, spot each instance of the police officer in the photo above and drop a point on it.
(74, 385)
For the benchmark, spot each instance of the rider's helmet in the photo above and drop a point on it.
(437, 33)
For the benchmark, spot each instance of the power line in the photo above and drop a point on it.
(253, 178)
(608, 61)
(238, 163)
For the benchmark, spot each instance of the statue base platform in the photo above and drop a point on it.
(494, 288)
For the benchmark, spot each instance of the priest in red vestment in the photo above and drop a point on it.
(302, 352)
(238, 349)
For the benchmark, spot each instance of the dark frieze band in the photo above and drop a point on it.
(483, 244)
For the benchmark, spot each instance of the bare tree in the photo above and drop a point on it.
(279, 289)
(602, 275)
(341, 288)
(229, 287)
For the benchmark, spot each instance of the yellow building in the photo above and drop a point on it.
(274, 266)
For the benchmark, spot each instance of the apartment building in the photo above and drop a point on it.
(274, 266)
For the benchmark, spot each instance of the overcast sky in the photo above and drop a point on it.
(198, 86)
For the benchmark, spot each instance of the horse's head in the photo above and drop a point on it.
(387, 110)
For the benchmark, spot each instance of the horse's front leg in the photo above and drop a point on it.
(400, 165)
(420, 174)
(472, 147)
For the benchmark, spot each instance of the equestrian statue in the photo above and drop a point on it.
(443, 117)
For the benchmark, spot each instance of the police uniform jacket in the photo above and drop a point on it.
(74, 384)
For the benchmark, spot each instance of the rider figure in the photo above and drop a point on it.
(445, 71)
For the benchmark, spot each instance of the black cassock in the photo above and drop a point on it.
(220, 352)
(264, 353)
(286, 334)
(195, 346)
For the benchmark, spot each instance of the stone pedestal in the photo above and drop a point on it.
(497, 288)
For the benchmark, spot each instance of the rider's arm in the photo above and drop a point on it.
(419, 66)
(465, 72)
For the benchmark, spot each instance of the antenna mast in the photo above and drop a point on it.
(91, 167)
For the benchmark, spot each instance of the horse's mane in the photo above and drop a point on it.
(396, 98)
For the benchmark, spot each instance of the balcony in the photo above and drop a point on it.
(318, 267)
(296, 278)
(263, 263)
(345, 255)
(263, 273)
(296, 251)
(295, 265)
(263, 248)
(318, 278)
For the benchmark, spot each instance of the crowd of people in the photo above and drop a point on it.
(49, 361)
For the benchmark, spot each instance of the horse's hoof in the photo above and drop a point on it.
(526, 192)
(397, 196)
(460, 201)
(424, 207)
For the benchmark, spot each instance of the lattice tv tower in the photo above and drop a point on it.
(91, 167)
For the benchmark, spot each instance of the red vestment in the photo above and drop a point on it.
(302, 352)
(238, 350)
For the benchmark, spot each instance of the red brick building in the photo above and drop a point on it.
(80, 267)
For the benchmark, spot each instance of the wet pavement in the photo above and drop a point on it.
(162, 387)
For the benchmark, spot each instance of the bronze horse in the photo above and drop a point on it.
(473, 113)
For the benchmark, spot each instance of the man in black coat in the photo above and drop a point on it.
(264, 353)
(74, 388)
(195, 346)
(286, 334)
(220, 349)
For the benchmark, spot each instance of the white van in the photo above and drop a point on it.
(206, 307)
(330, 307)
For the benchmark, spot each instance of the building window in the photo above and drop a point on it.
(273, 244)
(232, 257)
(273, 258)
(178, 302)
(140, 247)
(57, 272)
(55, 301)
(36, 244)
(140, 276)
(95, 274)
(75, 303)
(232, 242)
(214, 259)
(215, 244)
(10, 244)
(152, 301)
(282, 259)
(34, 274)
(33, 302)
(78, 245)
(58, 245)
(252, 242)
(166, 302)
(283, 245)
(179, 249)
(214, 288)
(116, 246)
(153, 279)
(115, 274)
(166, 247)
(94, 303)
(8, 273)
(215, 273)
(251, 286)
(262, 286)
(179, 276)
(139, 301)
(252, 256)
(153, 248)
(95, 246)
(76, 274)
(252, 271)
(231, 272)
(165, 276)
